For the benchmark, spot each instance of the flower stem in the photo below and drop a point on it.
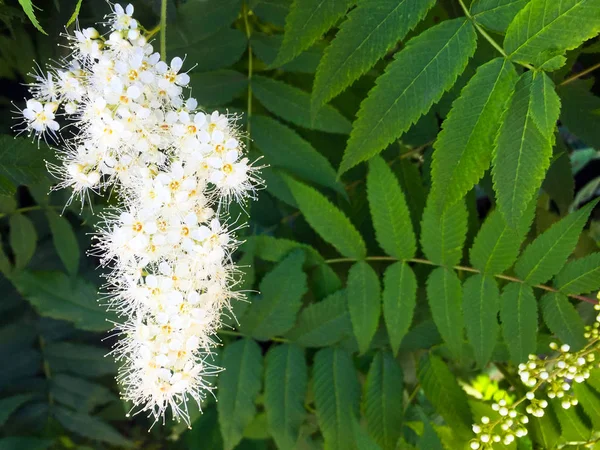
(460, 269)
(163, 30)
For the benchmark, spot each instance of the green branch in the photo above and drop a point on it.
(460, 269)
(163, 30)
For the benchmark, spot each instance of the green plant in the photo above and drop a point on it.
(426, 244)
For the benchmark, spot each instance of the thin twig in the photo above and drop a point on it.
(580, 74)
(245, 11)
(163, 30)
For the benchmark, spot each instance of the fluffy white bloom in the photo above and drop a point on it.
(175, 169)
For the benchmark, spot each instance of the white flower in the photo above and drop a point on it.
(40, 117)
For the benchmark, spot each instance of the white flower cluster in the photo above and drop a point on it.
(175, 170)
(553, 377)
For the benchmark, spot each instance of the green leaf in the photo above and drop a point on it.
(293, 104)
(590, 401)
(563, 320)
(266, 48)
(545, 256)
(238, 387)
(383, 400)
(9, 405)
(481, 303)
(545, 430)
(306, 22)
(444, 393)
(218, 51)
(22, 162)
(89, 427)
(443, 233)
(272, 11)
(463, 149)
(580, 111)
(545, 29)
(286, 382)
(572, 428)
(559, 183)
(429, 440)
(55, 295)
(523, 150)
(496, 14)
(337, 396)
(580, 276)
(444, 294)
(78, 393)
(545, 103)
(196, 20)
(411, 183)
(324, 323)
(364, 302)
(75, 13)
(5, 265)
(274, 249)
(64, 240)
(27, 6)
(22, 239)
(218, 87)
(417, 78)
(369, 32)
(391, 218)
(79, 359)
(519, 316)
(300, 157)
(327, 220)
(399, 301)
(24, 443)
(497, 245)
(273, 312)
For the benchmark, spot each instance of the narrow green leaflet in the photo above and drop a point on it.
(21, 162)
(239, 384)
(368, 33)
(22, 239)
(496, 14)
(79, 393)
(391, 217)
(364, 302)
(218, 51)
(481, 303)
(286, 381)
(411, 183)
(9, 405)
(399, 301)
(273, 312)
(306, 22)
(519, 317)
(65, 241)
(544, 29)
(273, 11)
(293, 104)
(571, 425)
(383, 400)
(327, 220)
(563, 320)
(522, 150)
(444, 294)
(579, 111)
(580, 276)
(418, 76)
(463, 149)
(324, 323)
(337, 397)
(27, 6)
(545, 256)
(545, 430)
(444, 393)
(75, 13)
(589, 399)
(25, 443)
(54, 294)
(300, 157)
(89, 427)
(443, 233)
(545, 103)
(79, 359)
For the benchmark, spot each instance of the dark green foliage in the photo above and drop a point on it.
(425, 226)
